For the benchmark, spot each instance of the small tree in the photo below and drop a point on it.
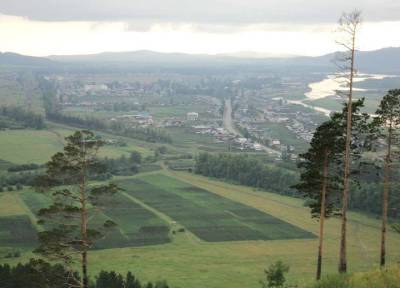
(136, 157)
(275, 275)
(388, 117)
(70, 229)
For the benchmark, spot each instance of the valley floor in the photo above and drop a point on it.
(188, 262)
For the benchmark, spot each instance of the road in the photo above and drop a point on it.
(228, 122)
(229, 126)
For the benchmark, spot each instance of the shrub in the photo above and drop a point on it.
(275, 275)
(333, 281)
(379, 278)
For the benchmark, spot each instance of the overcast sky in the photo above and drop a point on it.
(296, 27)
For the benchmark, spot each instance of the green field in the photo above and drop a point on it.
(210, 217)
(17, 231)
(187, 262)
(136, 226)
(37, 146)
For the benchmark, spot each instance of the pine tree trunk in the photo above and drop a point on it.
(345, 197)
(84, 220)
(385, 198)
(322, 216)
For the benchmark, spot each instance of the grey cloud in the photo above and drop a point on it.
(203, 12)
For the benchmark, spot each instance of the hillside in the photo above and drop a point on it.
(382, 60)
(9, 58)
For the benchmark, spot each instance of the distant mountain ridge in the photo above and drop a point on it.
(386, 60)
(10, 58)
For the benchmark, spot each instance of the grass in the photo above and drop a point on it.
(376, 278)
(210, 217)
(28, 146)
(37, 146)
(136, 225)
(188, 263)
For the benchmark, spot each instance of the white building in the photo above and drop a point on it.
(192, 116)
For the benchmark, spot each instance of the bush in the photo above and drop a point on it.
(275, 275)
(333, 281)
(379, 278)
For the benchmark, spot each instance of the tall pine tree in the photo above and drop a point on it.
(388, 118)
(69, 226)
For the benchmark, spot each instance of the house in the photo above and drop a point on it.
(192, 116)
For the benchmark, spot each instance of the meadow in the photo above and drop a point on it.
(37, 146)
(186, 261)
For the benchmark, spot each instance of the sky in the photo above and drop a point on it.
(267, 27)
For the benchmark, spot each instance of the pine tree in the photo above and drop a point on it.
(318, 180)
(348, 24)
(388, 117)
(322, 172)
(68, 234)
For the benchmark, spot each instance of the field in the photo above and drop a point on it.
(188, 262)
(136, 226)
(37, 146)
(210, 217)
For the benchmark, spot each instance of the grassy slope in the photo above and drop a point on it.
(37, 146)
(189, 263)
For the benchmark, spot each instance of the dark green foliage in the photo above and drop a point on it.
(36, 274)
(26, 178)
(149, 134)
(17, 117)
(245, 170)
(111, 279)
(275, 275)
(23, 167)
(68, 233)
(389, 108)
(122, 166)
(207, 215)
(40, 274)
(136, 157)
(325, 148)
(330, 136)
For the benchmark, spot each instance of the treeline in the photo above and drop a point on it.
(246, 170)
(15, 181)
(148, 134)
(13, 117)
(39, 274)
(120, 107)
(122, 166)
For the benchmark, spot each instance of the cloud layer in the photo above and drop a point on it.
(205, 12)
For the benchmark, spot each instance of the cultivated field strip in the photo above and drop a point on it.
(17, 232)
(210, 217)
(136, 226)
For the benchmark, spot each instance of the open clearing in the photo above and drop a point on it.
(187, 262)
(37, 146)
